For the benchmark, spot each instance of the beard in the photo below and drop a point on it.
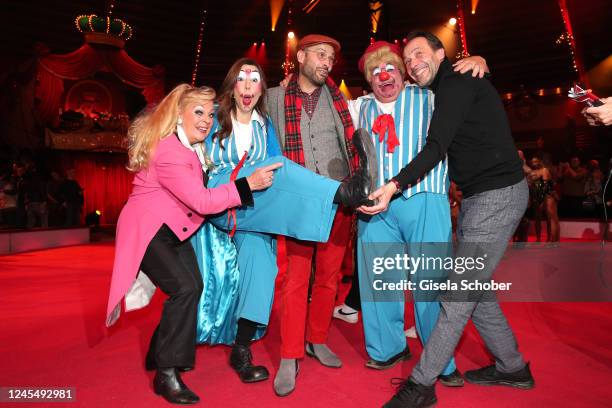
(312, 75)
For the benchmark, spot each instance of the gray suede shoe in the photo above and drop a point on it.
(322, 353)
(284, 382)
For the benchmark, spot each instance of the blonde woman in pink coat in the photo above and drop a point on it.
(167, 205)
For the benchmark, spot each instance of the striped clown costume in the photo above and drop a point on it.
(417, 221)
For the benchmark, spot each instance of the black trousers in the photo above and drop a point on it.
(172, 266)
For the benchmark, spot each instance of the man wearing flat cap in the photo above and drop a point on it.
(315, 129)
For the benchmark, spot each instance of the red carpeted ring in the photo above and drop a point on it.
(52, 334)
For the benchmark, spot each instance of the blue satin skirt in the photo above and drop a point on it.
(218, 310)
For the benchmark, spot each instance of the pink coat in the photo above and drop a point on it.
(169, 191)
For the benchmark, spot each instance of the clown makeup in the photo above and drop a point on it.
(378, 71)
(247, 91)
(386, 82)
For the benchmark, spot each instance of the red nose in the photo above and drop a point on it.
(384, 76)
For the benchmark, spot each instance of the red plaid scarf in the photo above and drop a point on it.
(293, 115)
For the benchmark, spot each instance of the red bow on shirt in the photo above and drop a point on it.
(384, 124)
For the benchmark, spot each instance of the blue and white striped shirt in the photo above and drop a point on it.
(411, 113)
(263, 145)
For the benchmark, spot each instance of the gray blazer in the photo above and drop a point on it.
(275, 104)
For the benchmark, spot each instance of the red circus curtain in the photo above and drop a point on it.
(83, 63)
(105, 180)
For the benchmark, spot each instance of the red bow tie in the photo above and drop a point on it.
(384, 124)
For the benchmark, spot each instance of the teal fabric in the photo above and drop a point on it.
(218, 307)
(299, 204)
(420, 220)
(239, 274)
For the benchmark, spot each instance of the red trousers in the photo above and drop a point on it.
(299, 319)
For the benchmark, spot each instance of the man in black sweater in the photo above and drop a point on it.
(469, 124)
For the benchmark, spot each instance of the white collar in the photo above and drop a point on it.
(183, 137)
(198, 148)
(255, 116)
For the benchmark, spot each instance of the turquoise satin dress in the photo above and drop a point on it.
(239, 274)
(217, 311)
(220, 304)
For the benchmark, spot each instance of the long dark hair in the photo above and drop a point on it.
(226, 101)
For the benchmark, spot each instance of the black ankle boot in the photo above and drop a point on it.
(367, 159)
(241, 361)
(168, 384)
(354, 191)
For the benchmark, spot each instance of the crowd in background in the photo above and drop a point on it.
(571, 189)
(31, 197)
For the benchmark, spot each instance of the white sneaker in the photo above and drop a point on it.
(346, 313)
(411, 332)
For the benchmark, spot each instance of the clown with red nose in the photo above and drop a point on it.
(397, 116)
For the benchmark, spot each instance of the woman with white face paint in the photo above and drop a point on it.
(299, 204)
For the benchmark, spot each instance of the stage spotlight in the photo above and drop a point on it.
(345, 91)
(255, 44)
(474, 6)
(276, 7)
(291, 35)
(93, 219)
(452, 21)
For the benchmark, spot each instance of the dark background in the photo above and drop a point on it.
(516, 37)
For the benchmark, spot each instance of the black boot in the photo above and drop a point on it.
(168, 384)
(241, 361)
(355, 191)
(367, 158)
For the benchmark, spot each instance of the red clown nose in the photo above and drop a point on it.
(384, 75)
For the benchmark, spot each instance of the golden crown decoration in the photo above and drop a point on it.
(104, 30)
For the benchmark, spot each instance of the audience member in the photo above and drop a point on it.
(573, 178)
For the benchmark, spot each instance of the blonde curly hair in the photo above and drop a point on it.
(155, 124)
(382, 54)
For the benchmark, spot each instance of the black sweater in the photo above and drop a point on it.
(470, 124)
